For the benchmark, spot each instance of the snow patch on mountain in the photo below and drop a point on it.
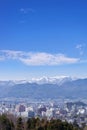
(52, 80)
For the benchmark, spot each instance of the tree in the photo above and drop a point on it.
(5, 123)
(19, 124)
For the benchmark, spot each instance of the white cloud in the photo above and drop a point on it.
(48, 59)
(38, 58)
(26, 10)
(80, 47)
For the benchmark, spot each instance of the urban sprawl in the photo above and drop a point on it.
(65, 111)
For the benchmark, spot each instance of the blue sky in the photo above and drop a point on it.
(43, 38)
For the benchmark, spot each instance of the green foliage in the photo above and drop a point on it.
(5, 123)
(35, 124)
(19, 124)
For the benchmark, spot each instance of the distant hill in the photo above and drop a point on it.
(62, 88)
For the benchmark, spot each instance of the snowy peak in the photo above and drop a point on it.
(45, 88)
(59, 80)
(52, 80)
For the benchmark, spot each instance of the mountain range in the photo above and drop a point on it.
(44, 88)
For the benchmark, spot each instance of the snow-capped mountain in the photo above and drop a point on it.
(59, 80)
(43, 80)
(44, 88)
(52, 80)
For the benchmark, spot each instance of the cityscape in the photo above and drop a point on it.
(43, 65)
(65, 110)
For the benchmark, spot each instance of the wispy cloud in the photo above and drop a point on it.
(38, 58)
(26, 10)
(80, 47)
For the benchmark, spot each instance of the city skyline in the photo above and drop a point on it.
(43, 38)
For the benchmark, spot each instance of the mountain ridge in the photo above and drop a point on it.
(69, 88)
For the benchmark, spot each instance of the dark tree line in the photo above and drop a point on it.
(11, 123)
